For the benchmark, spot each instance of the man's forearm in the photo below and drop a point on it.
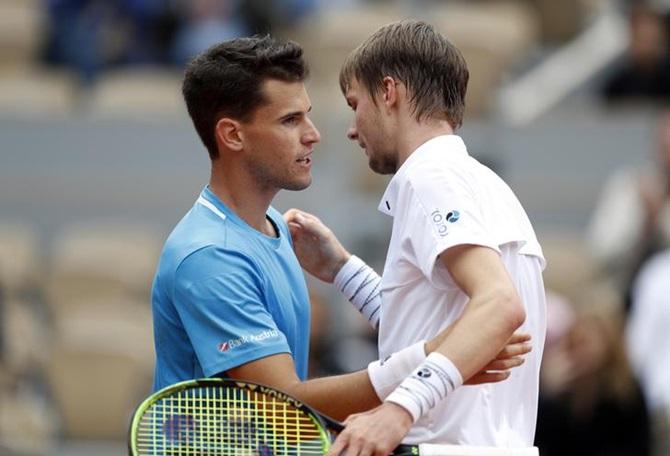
(483, 330)
(337, 396)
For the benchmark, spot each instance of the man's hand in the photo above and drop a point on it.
(509, 357)
(373, 433)
(317, 248)
(498, 369)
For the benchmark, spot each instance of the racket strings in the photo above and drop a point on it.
(223, 421)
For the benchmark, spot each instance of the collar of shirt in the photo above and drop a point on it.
(451, 146)
(208, 199)
(212, 202)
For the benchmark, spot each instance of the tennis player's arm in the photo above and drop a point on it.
(491, 316)
(337, 396)
(341, 395)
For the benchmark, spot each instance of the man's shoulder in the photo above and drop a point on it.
(200, 235)
(427, 176)
(195, 231)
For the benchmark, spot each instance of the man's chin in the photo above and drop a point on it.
(297, 186)
(383, 168)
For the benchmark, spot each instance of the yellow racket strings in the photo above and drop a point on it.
(227, 421)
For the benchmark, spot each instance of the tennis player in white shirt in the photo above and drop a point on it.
(462, 251)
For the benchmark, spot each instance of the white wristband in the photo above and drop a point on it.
(361, 286)
(431, 382)
(386, 375)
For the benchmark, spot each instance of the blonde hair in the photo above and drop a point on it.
(414, 53)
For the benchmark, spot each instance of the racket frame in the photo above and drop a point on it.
(324, 424)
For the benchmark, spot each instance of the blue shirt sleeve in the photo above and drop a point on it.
(219, 296)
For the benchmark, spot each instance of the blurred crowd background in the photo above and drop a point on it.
(98, 161)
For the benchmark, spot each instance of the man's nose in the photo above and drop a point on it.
(313, 136)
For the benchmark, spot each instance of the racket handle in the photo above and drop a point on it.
(406, 450)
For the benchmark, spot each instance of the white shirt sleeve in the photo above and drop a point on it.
(443, 212)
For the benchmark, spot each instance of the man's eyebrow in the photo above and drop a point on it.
(295, 113)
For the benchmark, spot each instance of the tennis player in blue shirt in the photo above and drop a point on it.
(229, 297)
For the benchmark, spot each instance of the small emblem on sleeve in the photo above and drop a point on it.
(247, 338)
(453, 216)
(440, 221)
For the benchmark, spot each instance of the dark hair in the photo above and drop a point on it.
(226, 80)
(413, 52)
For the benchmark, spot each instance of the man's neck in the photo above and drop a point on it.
(244, 198)
(413, 134)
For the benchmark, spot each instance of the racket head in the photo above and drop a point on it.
(222, 417)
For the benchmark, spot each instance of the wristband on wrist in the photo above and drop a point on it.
(361, 286)
(386, 375)
(431, 382)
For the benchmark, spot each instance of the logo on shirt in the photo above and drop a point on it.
(453, 216)
(440, 221)
(233, 343)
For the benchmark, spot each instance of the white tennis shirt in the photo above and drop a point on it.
(439, 198)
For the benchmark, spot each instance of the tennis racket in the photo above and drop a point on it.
(221, 417)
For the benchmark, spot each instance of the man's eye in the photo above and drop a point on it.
(290, 120)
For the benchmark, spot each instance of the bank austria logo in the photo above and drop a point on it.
(440, 221)
(233, 343)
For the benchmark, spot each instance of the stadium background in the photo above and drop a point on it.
(98, 160)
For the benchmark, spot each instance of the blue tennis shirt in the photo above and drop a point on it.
(225, 294)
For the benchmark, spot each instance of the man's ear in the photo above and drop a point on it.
(389, 91)
(228, 133)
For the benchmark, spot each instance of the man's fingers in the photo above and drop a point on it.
(298, 216)
(339, 445)
(353, 445)
(496, 371)
(510, 351)
(290, 215)
(311, 217)
(519, 337)
(356, 446)
(504, 364)
(305, 221)
(489, 377)
(293, 214)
